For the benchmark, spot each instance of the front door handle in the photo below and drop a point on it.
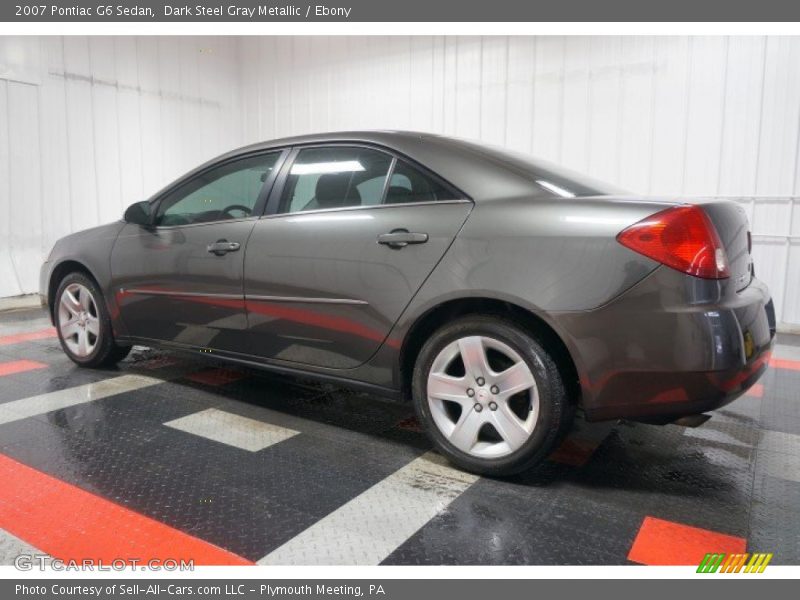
(400, 238)
(222, 247)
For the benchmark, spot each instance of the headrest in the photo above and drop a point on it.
(332, 191)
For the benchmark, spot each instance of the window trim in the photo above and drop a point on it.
(316, 211)
(263, 194)
(387, 183)
(273, 204)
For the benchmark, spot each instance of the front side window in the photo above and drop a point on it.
(229, 191)
(335, 177)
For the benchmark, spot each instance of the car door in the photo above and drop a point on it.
(353, 234)
(180, 280)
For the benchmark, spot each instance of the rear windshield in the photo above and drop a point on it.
(554, 178)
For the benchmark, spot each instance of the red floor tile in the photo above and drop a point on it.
(7, 340)
(216, 377)
(662, 542)
(785, 363)
(72, 524)
(757, 391)
(19, 366)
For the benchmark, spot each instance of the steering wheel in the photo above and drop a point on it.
(227, 210)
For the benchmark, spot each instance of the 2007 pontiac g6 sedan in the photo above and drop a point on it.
(498, 292)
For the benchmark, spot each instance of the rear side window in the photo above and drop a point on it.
(335, 177)
(409, 184)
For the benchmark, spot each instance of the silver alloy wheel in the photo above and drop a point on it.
(498, 410)
(78, 320)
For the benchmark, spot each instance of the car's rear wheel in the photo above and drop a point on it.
(490, 396)
(83, 324)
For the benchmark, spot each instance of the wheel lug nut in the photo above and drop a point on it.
(495, 389)
(493, 405)
(470, 392)
(481, 381)
(478, 408)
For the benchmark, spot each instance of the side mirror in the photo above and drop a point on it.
(139, 214)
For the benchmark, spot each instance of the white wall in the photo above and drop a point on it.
(657, 115)
(699, 116)
(89, 125)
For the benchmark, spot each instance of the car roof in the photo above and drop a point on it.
(449, 158)
(480, 172)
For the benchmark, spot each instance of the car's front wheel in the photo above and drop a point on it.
(83, 323)
(490, 396)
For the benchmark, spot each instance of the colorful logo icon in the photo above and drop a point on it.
(719, 562)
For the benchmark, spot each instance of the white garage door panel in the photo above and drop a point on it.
(741, 116)
(547, 97)
(107, 147)
(604, 108)
(577, 98)
(80, 138)
(779, 118)
(669, 115)
(635, 137)
(130, 149)
(707, 74)
(468, 87)
(494, 77)
(21, 59)
(519, 118)
(9, 285)
(57, 219)
(791, 309)
(24, 190)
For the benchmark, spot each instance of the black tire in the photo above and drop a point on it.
(106, 351)
(556, 407)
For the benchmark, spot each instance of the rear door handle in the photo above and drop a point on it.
(222, 247)
(400, 238)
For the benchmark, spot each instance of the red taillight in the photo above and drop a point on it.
(683, 238)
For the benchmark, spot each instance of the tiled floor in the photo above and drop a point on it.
(167, 455)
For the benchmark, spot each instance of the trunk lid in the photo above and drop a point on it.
(733, 228)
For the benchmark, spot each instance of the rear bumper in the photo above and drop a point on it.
(664, 397)
(671, 346)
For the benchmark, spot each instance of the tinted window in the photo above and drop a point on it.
(229, 191)
(335, 177)
(409, 184)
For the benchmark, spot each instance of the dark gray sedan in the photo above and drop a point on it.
(498, 292)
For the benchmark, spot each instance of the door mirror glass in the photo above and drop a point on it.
(139, 214)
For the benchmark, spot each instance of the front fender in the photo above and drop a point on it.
(90, 251)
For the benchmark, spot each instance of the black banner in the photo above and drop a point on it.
(392, 589)
(399, 11)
